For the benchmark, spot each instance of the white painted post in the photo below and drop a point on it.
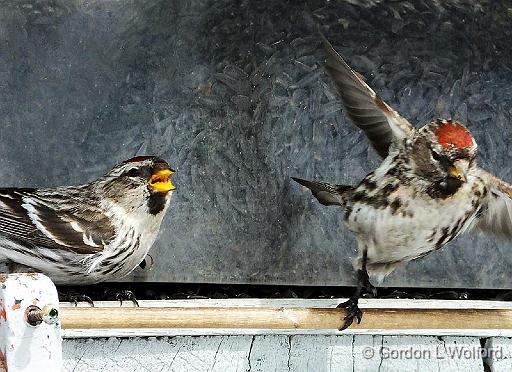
(29, 325)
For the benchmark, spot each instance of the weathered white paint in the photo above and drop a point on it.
(30, 348)
(297, 353)
(162, 332)
(499, 354)
(297, 302)
(285, 350)
(24, 347)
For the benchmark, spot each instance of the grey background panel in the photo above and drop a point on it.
(234, 95)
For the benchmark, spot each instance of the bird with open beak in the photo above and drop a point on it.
(89, 233)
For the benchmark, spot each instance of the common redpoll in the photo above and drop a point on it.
(426, 192)
(89, 233)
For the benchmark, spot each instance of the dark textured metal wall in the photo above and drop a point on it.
(234, 95)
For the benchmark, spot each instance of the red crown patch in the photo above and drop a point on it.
(453, 134)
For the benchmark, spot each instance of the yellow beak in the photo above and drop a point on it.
(160, 181)
(454, 172)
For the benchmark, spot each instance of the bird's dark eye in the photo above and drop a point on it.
(435, 155)
(134, 172)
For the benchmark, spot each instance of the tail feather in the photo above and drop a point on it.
(326, 193)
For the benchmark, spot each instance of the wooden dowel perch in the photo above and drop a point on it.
(281, 318)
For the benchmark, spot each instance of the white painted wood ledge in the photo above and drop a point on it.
(282, 353)
(294, 349)
(248, 334)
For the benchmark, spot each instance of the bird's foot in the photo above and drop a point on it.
(127, 295)
(353, 312)
(75, 298)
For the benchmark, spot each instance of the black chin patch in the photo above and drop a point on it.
(156, 203)
(444, 188)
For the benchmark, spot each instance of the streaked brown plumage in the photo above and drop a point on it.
(89, 233)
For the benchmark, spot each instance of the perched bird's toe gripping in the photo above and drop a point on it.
(364, 286)
(127, 295)
(353, 312)
(75, 298)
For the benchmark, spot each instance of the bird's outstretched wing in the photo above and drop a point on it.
(368, 111)
(326, 193)
(496, 217)
(26, 218)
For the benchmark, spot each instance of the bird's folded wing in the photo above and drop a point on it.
(367, 110)
(496, 217)
(28, 220)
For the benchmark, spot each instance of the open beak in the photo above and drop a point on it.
(456, 173)
(160, 181)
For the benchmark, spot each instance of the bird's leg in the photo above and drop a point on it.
(363, 286)
(363, 281)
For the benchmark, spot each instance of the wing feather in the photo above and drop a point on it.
(381, 124)
(496, 217)
(31, 220)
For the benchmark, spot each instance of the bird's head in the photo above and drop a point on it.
(142, 182)
(443, 152)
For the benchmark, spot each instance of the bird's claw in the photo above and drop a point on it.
(128, 296)
(76, 298)
(353, 312)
